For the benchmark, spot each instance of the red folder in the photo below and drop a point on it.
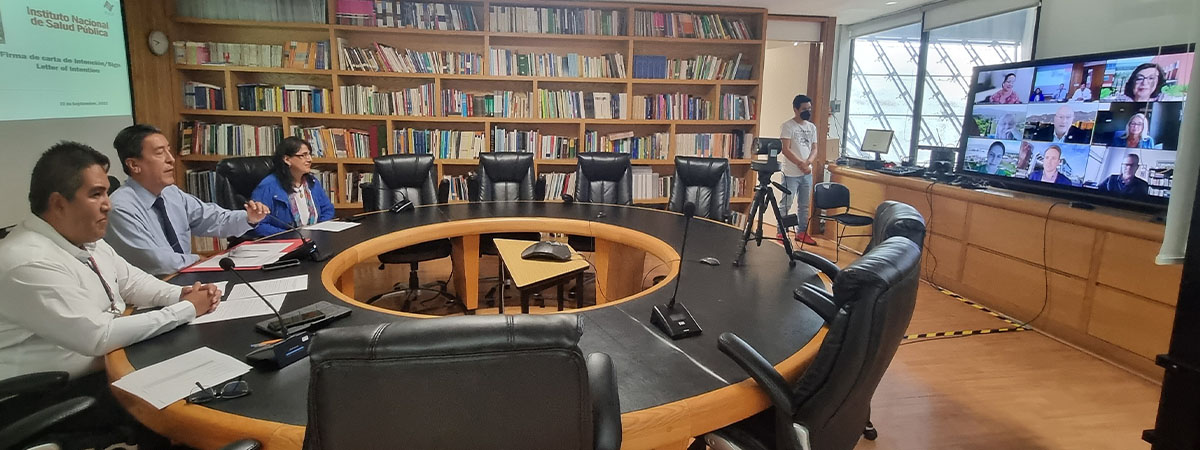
(292, 245)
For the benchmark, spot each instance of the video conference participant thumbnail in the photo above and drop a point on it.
(1132, 172)
(1005, 87)
(992, 157)
(1154, 125)
(1149, 78)
(1067, 123)
(1061, 164)
(1004, 122)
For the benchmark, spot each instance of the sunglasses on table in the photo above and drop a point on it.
(227, 390)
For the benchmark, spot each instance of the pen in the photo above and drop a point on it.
(265, 343)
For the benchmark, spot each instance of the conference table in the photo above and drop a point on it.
(669, 390)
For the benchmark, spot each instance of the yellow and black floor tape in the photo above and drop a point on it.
(1015, 325)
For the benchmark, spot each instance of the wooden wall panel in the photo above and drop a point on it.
(1068, 248)
(1127, 263)
(155, 92)
(1133, 323)
(1018, 288)
(942, 259)
(864, 195)
(916, 199)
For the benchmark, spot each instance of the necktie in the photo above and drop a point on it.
(168, 230)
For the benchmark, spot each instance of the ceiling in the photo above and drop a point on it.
(846, 11)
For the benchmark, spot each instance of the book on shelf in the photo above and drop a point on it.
(197, 95)
(337, 142)
(380, 57)
(738, 107)
(507, 62)
(557, 184)
(352, 189)
(401, 14)
(459, 186)
(328, 180)
(672, 107)
(700, 67)
(735, 145)
(417, 101)
(648, 184)
(306, 55)
(286, 98)
(229, 139)
(201, 183)
(587, 21)
(653, 146)
(228, 53)
(688, 25)
(442, 144)
(308, 11)
(545, 146)
(565, 104)
(494, 104)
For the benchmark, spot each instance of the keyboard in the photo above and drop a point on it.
(297, 319)
(902, 171)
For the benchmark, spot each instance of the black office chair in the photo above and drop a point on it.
(891, 219)
(601, 177)
(413, 178)
(504, 176)
(829, 406)
(468, 386)
(113, 184)
(832, 196)
(703, 181)
(237, 177)
(26, 428)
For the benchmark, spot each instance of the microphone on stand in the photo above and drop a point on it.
(306, 250)
(403, 205)
(290, 349)
(673, 318)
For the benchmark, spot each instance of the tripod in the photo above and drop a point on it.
(762, 195)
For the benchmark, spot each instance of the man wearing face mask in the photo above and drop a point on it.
(799, 138)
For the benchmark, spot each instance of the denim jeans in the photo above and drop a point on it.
(801, 188)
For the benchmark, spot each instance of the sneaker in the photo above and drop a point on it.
(805, 239)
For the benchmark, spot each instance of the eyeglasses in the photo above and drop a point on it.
(1142, 78)
(303, 155)
(231, 389)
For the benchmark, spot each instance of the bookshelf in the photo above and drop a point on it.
(471, 69)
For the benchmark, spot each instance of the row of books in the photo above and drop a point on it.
(329, 181)
(458, 186)
(310, 11)
(286, 98)
(228, 139)
(672, 107)
(234, 54)
(702, 67)
(654, 146)
(735, 145)
(401, 14)
(417, 101)
(342, 142)
(198, 95)
(648, 184)
(688, 25)
(497, 104)
(564, 104)
(512, 62)
(385, 58)
(442, 144)
(352, 186)
(557, 184)
(201, 183)
(520, 19)
(545, 146)
(738, 107)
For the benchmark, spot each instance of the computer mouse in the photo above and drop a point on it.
(547, 251)
(710, 261)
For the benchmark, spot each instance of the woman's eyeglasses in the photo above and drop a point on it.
(230, 389)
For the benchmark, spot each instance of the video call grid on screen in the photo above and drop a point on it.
(1106, 116)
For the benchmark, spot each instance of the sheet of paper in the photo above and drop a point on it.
(269, 287)
(220, 285)
(239, 308)
(332, 226)
(171, 380)
(249, 255)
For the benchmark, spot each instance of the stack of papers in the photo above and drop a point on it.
(332, 226)
(169, 381)
(241, 302)
(250, 254)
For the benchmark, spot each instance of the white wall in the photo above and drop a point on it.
(785, 74)
(1073, 27)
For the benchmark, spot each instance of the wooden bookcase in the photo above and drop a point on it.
(627, 44)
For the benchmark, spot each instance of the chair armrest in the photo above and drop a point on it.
(37, 422)
(818, 300)
(33, 382)
(768, 379)
(473, 193)
(606, 405)
(539, 188)
(244, 444)
(818, 262)
(443, 192)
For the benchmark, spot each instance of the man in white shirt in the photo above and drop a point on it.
(799, 138)
(65, 289)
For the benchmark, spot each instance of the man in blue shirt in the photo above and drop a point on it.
(152, 221)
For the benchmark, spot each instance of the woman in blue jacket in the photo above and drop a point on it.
(295, 197)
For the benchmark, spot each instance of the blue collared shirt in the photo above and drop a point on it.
(134, 230)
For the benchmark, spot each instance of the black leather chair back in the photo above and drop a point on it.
(401, 176)
(604, 177)
(459, 383)
(113, 184)
(505, 176)
(897, 219)
(237, 178)
(876, 295)
(831, 195)
(703, 181)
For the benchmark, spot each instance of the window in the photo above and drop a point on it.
(883, 82)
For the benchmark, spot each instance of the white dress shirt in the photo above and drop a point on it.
(55, 313)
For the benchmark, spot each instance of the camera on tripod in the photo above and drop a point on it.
(771, 148)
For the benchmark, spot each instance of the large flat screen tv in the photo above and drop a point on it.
(1102, 127)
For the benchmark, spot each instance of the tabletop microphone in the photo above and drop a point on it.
(306, 250)
(275, 356)
(403, 205)
(673, 318)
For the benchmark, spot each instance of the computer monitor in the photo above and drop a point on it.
(877, 142)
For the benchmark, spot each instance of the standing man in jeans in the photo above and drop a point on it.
(799, 138)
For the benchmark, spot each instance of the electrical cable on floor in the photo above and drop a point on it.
(929, 229)
(917, 341)
(1045, 264)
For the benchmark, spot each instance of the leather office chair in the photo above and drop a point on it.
(413, 178)
(113, 184)
(26, 428)
(891, 219)
(237, 177)
(469, 386)
(505, 176)
(829, 406)
(703, 181)
(601, 177)
(831, 196)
